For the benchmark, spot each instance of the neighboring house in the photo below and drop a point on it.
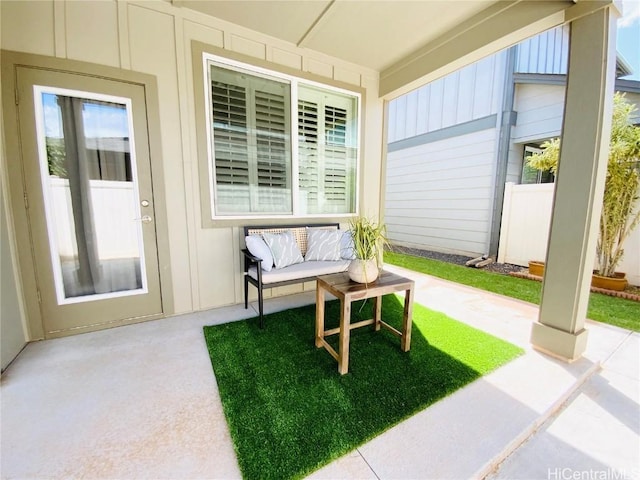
(455, 142)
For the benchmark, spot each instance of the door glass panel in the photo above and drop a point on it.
(91, 195)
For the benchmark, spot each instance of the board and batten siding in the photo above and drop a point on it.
(469, 94)
(155, 37)
(547, 53)
(439, 194)
(440, 164)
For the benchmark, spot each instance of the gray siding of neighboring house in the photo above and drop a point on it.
(540, 109)
(438, 195)
(547, 53)
(469, 94)
(438, 187)
(442, 153)
(635, 99)
(514, 168)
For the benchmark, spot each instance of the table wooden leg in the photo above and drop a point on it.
(405, 342)
(377, 312)
(319, 316)
(345, 333)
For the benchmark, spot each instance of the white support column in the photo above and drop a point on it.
(579, 186)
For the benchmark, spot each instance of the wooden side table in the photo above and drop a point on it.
(340, 285)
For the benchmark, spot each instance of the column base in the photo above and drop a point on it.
(558, 343)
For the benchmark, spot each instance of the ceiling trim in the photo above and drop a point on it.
(322, 18)
(497, 27)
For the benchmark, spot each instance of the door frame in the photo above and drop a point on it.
(15, 173)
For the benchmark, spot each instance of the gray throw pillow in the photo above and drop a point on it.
(323, 245)
(284, 248)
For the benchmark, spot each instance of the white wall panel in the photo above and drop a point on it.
(152, 50)
(401, 117)
(540, 109)
(450, 99)
(288, 59)
(485, 77)
(411, 119)
(514, 166)
(466, 94)
(28, 26)
(546, 53)
(439, 194)
(436, 94)
(248, 47)
(423, 109)
(90, 35)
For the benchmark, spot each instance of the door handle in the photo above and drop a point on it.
(145, 219)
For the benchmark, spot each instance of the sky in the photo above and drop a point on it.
(100, 120)
(629, 36)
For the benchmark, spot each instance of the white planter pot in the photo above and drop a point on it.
(363, 271)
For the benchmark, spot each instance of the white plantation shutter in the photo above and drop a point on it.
(327, 151)
(271, 134)
(336, 156)
(251, 132)
(230, 133)
(308, 166)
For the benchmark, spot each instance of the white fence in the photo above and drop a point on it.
(114, 213)
(526, 216)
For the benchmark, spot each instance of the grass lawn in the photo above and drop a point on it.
(614, 311)
(290, 412)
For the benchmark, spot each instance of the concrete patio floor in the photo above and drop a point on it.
(141, 402)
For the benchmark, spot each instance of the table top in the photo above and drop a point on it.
(341, 285)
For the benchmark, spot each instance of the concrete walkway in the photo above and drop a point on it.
(141, 402)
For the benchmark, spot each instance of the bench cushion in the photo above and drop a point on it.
(300, 270)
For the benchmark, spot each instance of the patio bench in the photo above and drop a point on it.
(262, 270)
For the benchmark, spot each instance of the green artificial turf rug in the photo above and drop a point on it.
(290, 411)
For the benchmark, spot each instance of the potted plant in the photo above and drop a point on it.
(618, 218)
(369, 239)
(536, 267)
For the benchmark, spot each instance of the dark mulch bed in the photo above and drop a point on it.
(504, 268)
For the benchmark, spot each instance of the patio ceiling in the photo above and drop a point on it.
(403, 40)
(375, 34)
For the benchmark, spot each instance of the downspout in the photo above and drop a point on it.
(506, 119)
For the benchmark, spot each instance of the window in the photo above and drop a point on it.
(278, 145)
(530, 174)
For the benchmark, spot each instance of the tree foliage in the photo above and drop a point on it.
(622, 183)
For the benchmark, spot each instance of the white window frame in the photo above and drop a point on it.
(209, 59)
